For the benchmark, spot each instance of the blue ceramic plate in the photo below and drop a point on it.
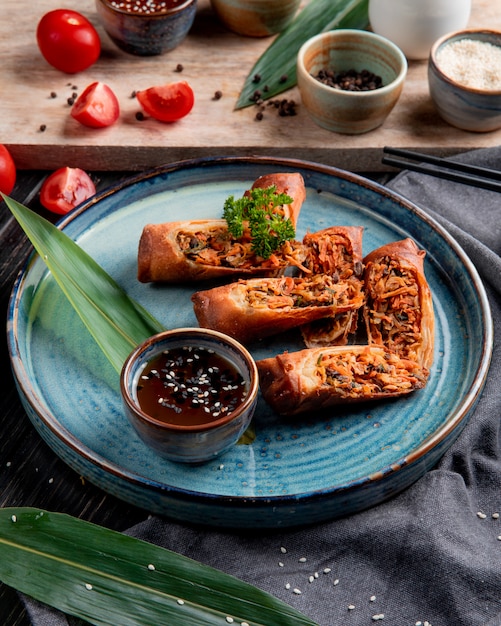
(297, 471)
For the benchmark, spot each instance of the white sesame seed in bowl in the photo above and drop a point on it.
(464, 79)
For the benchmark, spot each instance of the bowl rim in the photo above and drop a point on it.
(163, 426)
(458, 35)
(152, 16)
(370, 36)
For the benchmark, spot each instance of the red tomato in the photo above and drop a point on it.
(97, 106)
(68, 41)
(7, 171)
(167, 103)
(65, 189)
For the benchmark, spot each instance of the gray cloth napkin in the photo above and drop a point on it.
(430, 555)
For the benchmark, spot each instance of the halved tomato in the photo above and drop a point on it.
(65, 189)
(7, 171)
(167, 103)
(97, 106)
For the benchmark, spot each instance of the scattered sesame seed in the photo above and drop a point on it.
(151, 567)
(377, 617)
(221, 466)
(13, 518)
(351, 607)
(8, 464)
(495, 516)
(327, 570)
(181, 602)
(481, 515)
(88, 586)
(373, 598)
(336, 582)
(229, 619)
(287, 585)
(244, 624)
(283, 550)
(302, 559)
(499, 537)
(280, 564)
(51, 480)
(311, 579)
(297, 591)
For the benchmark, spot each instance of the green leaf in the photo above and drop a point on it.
(277, 65)
(108, 578)
(117, 323)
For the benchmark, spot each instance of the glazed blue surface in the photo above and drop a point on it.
(299, 470)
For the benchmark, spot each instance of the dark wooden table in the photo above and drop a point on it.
(31, 474)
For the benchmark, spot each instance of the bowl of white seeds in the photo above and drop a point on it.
(464, 79)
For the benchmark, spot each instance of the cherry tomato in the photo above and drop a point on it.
(7, 171)
(68, 41)
(97, 106)
(167, 103)
(65, 189)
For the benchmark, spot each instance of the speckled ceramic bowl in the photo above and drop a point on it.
(466, 107)
(350, 112)
(190, 443)
(256, 18)
(146, 35)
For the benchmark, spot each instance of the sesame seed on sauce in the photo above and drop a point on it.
(145, 7)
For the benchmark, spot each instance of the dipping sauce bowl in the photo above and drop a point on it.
(190, 393)
(464, 79)
(146, 32)
(339, 110)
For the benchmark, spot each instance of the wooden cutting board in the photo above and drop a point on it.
(213, 59)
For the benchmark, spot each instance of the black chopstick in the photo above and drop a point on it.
(473, 175)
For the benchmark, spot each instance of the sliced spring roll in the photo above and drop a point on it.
(399, 309)
(336, 251)
(259, 307)
(319, 378)
(192, 250)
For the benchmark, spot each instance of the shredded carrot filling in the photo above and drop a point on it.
(394, 310)
(216, 247)
(293, 292)
(369, 372)
(330, 254)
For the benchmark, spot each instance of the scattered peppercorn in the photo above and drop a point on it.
(350, 80)
(70, 101)
(217, 95)
(53, 94)
(140, 116)
(133, 94)
(283, 78)
(259, 116)
(43, 128)
(179, 67)
(256, 78)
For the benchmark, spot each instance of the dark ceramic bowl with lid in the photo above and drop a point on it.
(465, 81)
(190, 393)
(146, 27)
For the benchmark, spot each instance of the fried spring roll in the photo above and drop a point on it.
(259, 307)
(319, 378)
(336, 251)
(192, 250)
(399, 309)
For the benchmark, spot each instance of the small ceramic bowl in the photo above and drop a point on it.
(464, 79)
(256, 18)
(146, 34)
(190, 393)
(350, 112)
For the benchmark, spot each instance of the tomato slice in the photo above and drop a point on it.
(65, 189)
(68, 41)
(7, 171)
(167, 103)
(97, 106)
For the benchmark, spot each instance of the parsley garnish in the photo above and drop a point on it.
(269, 228)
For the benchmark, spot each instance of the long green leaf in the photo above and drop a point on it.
(276, 68)
(108, 578)
(117, 323)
